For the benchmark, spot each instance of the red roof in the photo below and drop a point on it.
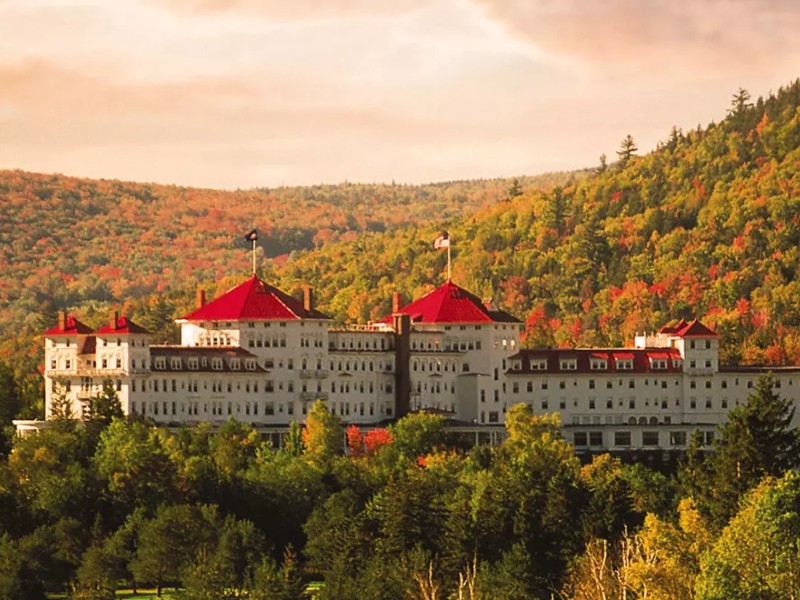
(696, 329)
(451, 304)
(684, 329)
(641, 360)
(71, 326)
(253, 300)
(123, 325)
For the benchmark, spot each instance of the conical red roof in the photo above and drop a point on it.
(253, 300)
(450, 303)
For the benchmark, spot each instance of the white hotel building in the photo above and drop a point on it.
(262, 357)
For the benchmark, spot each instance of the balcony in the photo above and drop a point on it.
(313, 373)
(309, 396)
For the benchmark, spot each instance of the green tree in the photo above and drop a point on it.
(62, 414)
(169, 542)
(757, 555)
(282, 582)
(627, 150)
(756, 441)
(418, 434)
(323, 436)
(10, 405)
(134, 466)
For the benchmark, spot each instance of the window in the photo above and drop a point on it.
(677, 438)
(658, 364)
(193, 363)
(591, 384)
(649, 438)
(580, 438)
(595, 438)
(494, 417)
(598, 364)
(624, 364)
(544, 404)
(622, 438)
(568, 364)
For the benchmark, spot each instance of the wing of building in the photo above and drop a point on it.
(262, 356)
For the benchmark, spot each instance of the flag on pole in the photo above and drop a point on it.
(251, 236)
(443, 241)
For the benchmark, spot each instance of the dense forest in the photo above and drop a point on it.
(707, 225)
(408, 512)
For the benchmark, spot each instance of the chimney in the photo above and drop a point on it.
(62, 320)
(201, 298)
(308, 298)
(113, 319)
(397, 301)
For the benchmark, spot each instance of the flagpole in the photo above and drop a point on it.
(254, 256)
(448, 262)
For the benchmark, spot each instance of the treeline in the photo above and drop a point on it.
(706, 225)
(410, 511)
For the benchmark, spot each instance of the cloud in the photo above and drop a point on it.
(293, 10)
(697, 37)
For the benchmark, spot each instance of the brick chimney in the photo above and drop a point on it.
(308, 298)
(113, 319)
(397, 301)
(62, 320)
(201, 298)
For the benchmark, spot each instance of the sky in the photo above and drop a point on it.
(262, 93)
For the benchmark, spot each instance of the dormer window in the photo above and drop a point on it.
(160, 363)
(658, 364)
(676, 363)
(235, 364)
(175, 363)
(568, 364)
(624, 364)
(193, 363)
(216, 364)
(250, 364)
(598, 364)
(538, 364)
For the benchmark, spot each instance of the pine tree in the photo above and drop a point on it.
(627, 150)
(757, 441)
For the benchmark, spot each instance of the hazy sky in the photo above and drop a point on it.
(242, 93)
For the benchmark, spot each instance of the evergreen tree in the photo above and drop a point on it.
(626, 150)
(757, 441)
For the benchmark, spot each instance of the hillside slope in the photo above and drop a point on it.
(707, 225)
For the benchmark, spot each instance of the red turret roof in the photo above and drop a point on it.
(123, 325)
(451, 304)
(693, 329)
(253, 300)
(70, 326)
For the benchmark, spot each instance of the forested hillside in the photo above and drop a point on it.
(707, 225)
(86, 245)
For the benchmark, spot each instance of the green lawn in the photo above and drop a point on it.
(141, 594)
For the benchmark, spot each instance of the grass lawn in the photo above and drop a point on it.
(141, 594)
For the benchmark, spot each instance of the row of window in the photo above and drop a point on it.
(192, 385)
(223, 409)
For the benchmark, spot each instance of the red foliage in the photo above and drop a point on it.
(355, 442)
(375, 439)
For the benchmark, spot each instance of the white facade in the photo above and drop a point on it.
(268, 371)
